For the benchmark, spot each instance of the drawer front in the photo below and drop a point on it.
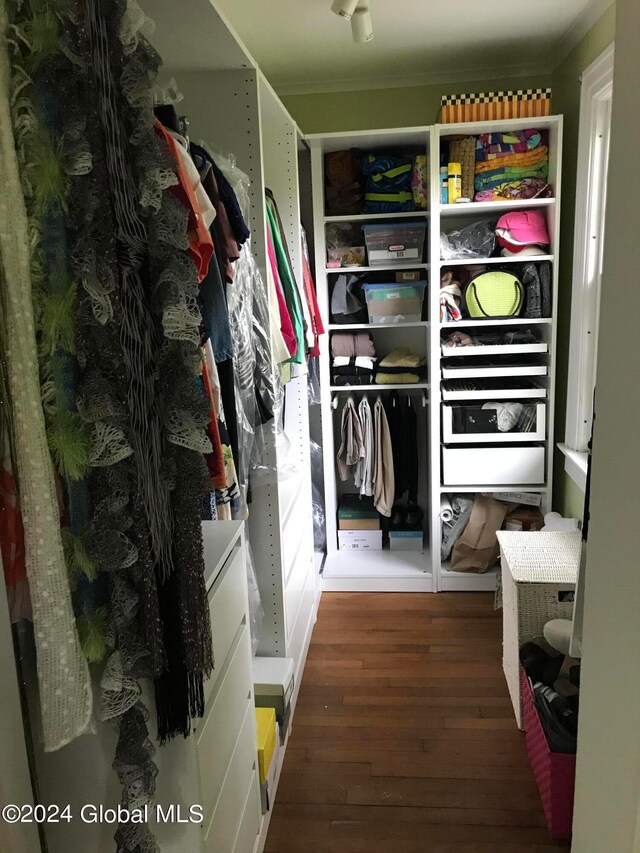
(297, 528)
(451, 433)
(227, 608)
(250, 821)
(217, 735)
(296, 583)
(241, 774)
(298, 634)
(506, 466)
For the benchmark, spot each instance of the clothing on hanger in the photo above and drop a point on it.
(351, 446)
(363, 474)
(383, 476)
(402, 420)
(289, 287)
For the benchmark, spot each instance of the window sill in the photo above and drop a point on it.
(575, 464)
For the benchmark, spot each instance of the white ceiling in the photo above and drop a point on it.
(301, 46)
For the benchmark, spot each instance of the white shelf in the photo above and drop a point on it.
(336, 327)
(396, 387)
(466, 262)
(468, 581)
(488, 372)
(519, 321)
(498, 207)
(493, 349)
(380, 268)
(375, 217)
(452, 490)
(373, 571)
(505, 393)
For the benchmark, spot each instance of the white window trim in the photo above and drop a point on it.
(595, 97)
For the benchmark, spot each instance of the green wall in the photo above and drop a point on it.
(418, 105)
(379, 108)
(568, 499)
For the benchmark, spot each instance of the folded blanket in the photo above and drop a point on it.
(359, 361)
(397, 378)
(364, 379)
(525, 188)
(488, 180)
(402, 357)
(352, 344)
(492, 145)
(351, 370)
(514, 160)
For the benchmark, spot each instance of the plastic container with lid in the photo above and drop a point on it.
(395, 303)
(394, 241)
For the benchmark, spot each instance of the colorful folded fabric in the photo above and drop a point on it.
(537, 155)
(523, 189)
(489, 180)
(492, 145)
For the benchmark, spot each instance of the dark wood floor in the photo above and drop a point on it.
(404, 739)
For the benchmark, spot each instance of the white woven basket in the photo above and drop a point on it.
(536, 567)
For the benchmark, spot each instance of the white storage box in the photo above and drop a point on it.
(493, 466)
(273, 683)
(394, 241)
(536, 568)
(452, 437)
(360, 540)
(406, 540)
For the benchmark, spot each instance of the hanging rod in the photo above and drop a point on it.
(354, 388)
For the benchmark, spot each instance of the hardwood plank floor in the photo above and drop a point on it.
(404, 739)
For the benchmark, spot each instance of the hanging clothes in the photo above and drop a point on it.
(402, 420)
(286, 324)
(289, 286)
(383, 475)
(317, 326)
(351, 446)
(363, 474)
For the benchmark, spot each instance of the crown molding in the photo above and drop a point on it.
(565, 43)
(358, 84)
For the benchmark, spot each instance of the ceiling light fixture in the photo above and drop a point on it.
(361, 24)
(344, 8)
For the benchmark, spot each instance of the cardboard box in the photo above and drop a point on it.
(384, 311)
(489, 106)
(360, 540)
(407, 276)
(356, 507)
(358, 524)
(406, 540)
(273, 683)
(524, 518)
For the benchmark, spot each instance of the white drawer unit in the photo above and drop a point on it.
(241, 775)
(301, 572)
(486, 371)
(493, 349)
(450, 436)
(227, 609)
(499, 466)
(496, 389)
(249, 823)
(217, 734)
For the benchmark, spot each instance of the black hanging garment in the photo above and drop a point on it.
(403, 429)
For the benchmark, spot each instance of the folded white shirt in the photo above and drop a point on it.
(361, 361)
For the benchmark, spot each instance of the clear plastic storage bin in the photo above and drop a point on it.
(395, 303)
(394, 241)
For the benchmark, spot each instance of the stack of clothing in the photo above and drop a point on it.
(354, 359)
(401, 367)
(511, 166)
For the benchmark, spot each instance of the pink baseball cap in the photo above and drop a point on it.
(522, 228)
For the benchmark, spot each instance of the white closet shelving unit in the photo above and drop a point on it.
(234, 111)
(447, 465)
(369, 570)
(486, 464)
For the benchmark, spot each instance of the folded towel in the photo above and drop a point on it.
(359, 361)
(488, 180)
(492, 145)
(352, 344)
(403, 357)
(514, 160)
(364, 379)
(397, 378)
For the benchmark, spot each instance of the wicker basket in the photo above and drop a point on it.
(463, 151)
(536, 567)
